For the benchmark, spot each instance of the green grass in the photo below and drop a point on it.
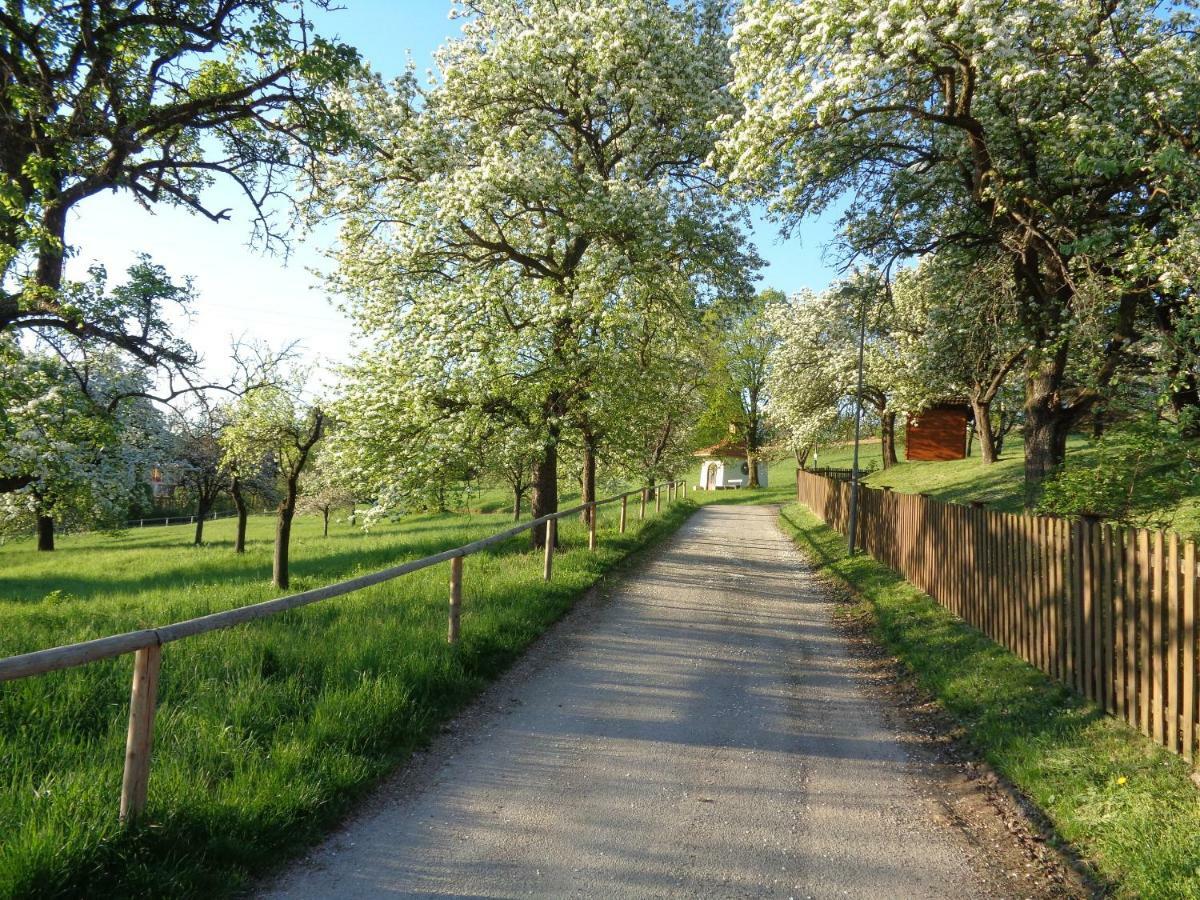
(265, 733)
(1128, 808)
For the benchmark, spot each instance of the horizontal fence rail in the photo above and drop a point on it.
(839, 474)
(1108, 610)
(146, 645)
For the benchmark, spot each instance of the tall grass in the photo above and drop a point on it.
(265, 733)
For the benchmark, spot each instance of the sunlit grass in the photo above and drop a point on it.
(267, 732)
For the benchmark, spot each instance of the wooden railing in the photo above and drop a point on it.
(146, 645)
(1108, 610)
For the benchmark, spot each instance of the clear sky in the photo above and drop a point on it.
(243, 293)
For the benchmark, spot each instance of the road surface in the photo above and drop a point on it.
(703, 731)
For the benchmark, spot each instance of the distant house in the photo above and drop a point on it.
(724, 466)
(162, 485)
(938, 432)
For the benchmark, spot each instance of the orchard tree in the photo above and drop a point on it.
(63, 456)
(495, 225)
(198, 463)
(814, 362)
(323, 488)
(739, 366)
(965, 336)
(253, 476)
(275, 421)
(158, 100)
(1061, 134)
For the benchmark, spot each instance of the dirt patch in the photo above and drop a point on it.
(1007, 830)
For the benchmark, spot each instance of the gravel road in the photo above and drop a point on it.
(702, 731)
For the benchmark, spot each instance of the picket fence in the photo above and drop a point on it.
(1108, 610)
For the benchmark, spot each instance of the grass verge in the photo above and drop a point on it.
(1128, 808)
(265, 734)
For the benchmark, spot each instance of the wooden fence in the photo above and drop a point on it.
(839, 474)
(1109, 611)
(146, 645)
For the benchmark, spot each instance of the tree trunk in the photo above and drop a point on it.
(752, 465)
(203, 508)
(587, 484)
(801, 457)
(1046, 427)
(887, 437)
(283, 537)
(45, 533)
(325, 515)
(518, 490)
(983, 428)
(545, 489)
(235, 489)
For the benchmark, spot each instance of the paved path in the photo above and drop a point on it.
(702, 733)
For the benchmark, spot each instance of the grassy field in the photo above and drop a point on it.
(1128, 807)
(266, 733)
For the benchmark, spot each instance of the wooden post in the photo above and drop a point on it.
(683, 485)
(658, 498)
(592, 527)
(551, 538)
(455, 598)
(1189, 651)
(622, 525)
(642, 513)
(142, 700)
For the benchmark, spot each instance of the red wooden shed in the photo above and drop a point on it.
(939, 432)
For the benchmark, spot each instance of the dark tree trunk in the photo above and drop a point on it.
(325, 515)
(983, 427)
(518, 492)
(45, 533)
(1048, 420)
(283, 536)
(545, 489)
(801, 457)
(751, 465)
(203, 508)
(1046, 428)
(239, 501)
(587, 484)
(887, 437)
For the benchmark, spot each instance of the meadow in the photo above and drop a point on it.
(266, 733)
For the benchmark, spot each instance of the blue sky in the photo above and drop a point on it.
(243, 293)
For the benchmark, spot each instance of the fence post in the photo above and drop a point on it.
(683, 484)
(622, 525)
(142, 700)
(642, 514)
(592, 528)
(551, 537)
(456, 564)
(657, 497)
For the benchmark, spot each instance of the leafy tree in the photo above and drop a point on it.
(514, 218)
(814, 362)
(324, 488)
(63, 456)
(963, 336)
(198, 464)
(274, 421)
(738, 390)
(1061, 134)
(159, 100)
